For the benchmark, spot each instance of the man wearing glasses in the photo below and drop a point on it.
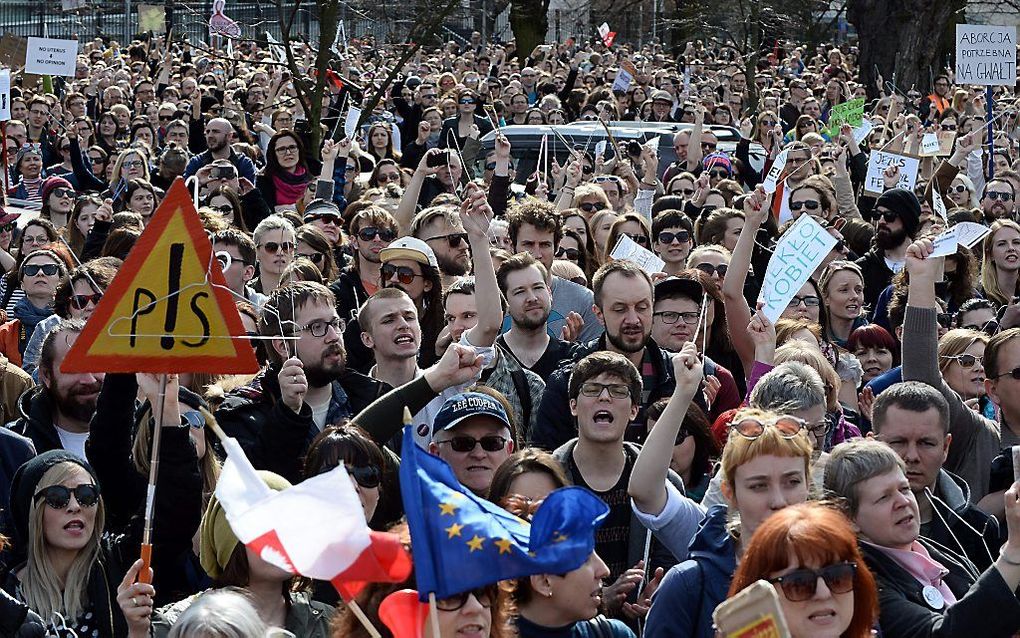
(473, 434)
(897, 217)
(441, 229)
(998, 201)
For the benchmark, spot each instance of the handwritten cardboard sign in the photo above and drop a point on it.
(970, 233)
(800, 251)
(851, 112)
(875, 181)
(985, 55)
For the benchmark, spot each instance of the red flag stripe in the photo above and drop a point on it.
(385, 560)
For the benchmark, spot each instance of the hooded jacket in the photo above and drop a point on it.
(682, 606)
(955, 521)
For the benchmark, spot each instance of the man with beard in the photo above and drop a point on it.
(897, 215)
(998, 201)
(56, 414)
(219, 133)
(441, 229)
(623, 304)
(305, 387)
(523, 280)
(371, 230)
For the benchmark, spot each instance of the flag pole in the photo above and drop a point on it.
(365, 622)
(433, 613)
(145, 575)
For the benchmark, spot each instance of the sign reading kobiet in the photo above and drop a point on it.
(985, 55)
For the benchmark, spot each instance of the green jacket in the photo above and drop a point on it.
(306, 618)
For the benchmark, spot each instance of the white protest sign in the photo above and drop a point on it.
(351, 123)
(622, 81)
(985, 55)
(879, 161)
(798, 253)
(341, 38)
(946, 243)
(47, 56)
(628, 249)
(970, 233)
(5, 94)
(772, 178)
(938, 205)
(600, 148)
(862, 131)
(930, 144)
(276, 48)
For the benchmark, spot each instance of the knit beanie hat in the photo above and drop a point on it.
(718, 159)
(52, 183)
(217, 541)
(25, 485)
(904, 203)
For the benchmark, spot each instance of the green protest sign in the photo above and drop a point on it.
(851, 113)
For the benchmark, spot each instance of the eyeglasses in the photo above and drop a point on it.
(287, 150)
(989, 327)
(710, 270)
(368, 233)
(947, 126)
(324, 217)
(31, 270)
(132, 164)
(467, 100)
(959, 188)
(464, 443)
(788, 427)
(888, 216)
(226, 210)
(966, 360)
(319, 327)
(802, 584)
(809, 204)
(483, 595)
(809, 301)
(453, 239)
(65, 192)
(670, 317)
(1015, 373)
(638, 238)
(708, 146)
(1006, 197)
(682, 191)
(81, 302)
(404, 273)
(386, 178)
(767, 123)
(681, 236)
(718, 174)
(96, 160)
(570, 253)
(591, 207)
(275, 247)
(616, 390)
(367, 476)
(58, 496)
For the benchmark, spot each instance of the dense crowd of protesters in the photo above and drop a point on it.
(855, 453)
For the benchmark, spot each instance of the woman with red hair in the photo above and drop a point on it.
(809, 554)
(875, 348)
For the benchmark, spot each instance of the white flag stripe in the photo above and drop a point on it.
(319, 522)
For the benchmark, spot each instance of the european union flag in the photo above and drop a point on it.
(460, 541)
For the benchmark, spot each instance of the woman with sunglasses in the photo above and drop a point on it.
(72, 571)
(313, 245)
(925, 590)
(809, 553)
(979, 315)
(1000, 262)
(224, 200)
(38, 276)
(961, 192)
(465, 123)
(961, 356)
(766, 465)
(274, 248)
(571, 248)
(711, 259)
(36, 234)
(632, 225)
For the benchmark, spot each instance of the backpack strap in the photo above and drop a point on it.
(523, 393)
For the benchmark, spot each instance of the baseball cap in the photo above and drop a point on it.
(465, 405)
(409, 248)
(318, 207)
(671, 286)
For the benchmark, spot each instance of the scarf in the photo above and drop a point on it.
(30, 316)
(290, 187)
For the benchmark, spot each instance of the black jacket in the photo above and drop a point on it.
(877, 275)
(17, 620)
(271, 434)
(985, 605)
(350, 293)
(954, 520)
(555, 425)
(14, 451)
(36, 420)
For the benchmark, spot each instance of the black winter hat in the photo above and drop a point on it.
(904, 203)
(25, 484)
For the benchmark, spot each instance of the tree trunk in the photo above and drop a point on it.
(529, 20)
(907, 39)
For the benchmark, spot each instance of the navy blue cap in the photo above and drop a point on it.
(466, 405)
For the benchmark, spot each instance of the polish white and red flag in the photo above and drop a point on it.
(316, 528)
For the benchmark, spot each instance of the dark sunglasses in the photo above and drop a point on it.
(367, 476)
(802, 584)
(404, 273)
(81, 302)
(889, 216)
(681, 236)
(315, 258)
(97, 160)
(368, 233)
(467, 100)
(483, 595)
(947, 127)
(464, 443)
(1015, 373)
(809, 204)
(453, 239)
(682, 191)
(710, 270)
(1006, 197)
(31, 270)
(570, 253)
(719, 174)
(64, 192)
(58, 496)
(325, 218)
(638, 239)
(275, 247)
(591, 207)
(809, 301)
(989, 327)
(966, 360)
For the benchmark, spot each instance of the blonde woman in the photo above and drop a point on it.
(961, 362)
(1000, 262)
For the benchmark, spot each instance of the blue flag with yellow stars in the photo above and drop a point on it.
(461, 541)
